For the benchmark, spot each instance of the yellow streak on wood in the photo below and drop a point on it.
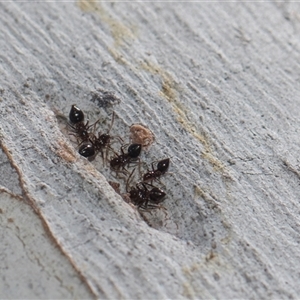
(66, 152)
(170, 91)
(120, 32)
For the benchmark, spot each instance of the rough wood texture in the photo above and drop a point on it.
(217, 83)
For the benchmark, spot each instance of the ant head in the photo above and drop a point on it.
(134, 150)
(87, 150)
(163, 165)
(133, 193)
(76, 115)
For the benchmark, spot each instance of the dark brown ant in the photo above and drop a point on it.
(145, 198)
(81, 129)
(120, 161)
(103, 141)
(161, 168)
(98, 144)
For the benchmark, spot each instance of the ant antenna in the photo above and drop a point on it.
(111, 122)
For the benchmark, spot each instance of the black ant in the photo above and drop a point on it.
(161, 168)
(120, 161)
(145, 198)
(97, 144)
(81, 129)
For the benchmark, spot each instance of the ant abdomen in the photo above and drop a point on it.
(163, 165)
(76, 115)
(134, 150)
(87, 150)
(156, 195)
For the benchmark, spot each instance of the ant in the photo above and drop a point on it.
(145, 198)
(81, 130)
(120, 161)
(161, 168)
(97, 144)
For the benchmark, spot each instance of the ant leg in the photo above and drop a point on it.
(106, 154)
(93, 125)
(165, 210)
(153, 166)
(73, 132)
(80, 142)
(146, 183)
(144, 206)
(118, 138)
(112, 122)
(102, 156)
(118, 170)
(96, 123)
(150, 207)
(122, 148)
(128, 180)
(124, 171)
(157, 179)
(135, 162)
(72, 126)
(153, 170)
(108, 148)
(110, 127)
(139, 164)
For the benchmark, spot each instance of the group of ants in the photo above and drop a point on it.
(144, 195)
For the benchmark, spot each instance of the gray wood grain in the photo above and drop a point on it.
(218, 85)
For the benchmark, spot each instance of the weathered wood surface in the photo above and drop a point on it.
(217, 83)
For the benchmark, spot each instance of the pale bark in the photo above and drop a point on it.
(217, 84)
